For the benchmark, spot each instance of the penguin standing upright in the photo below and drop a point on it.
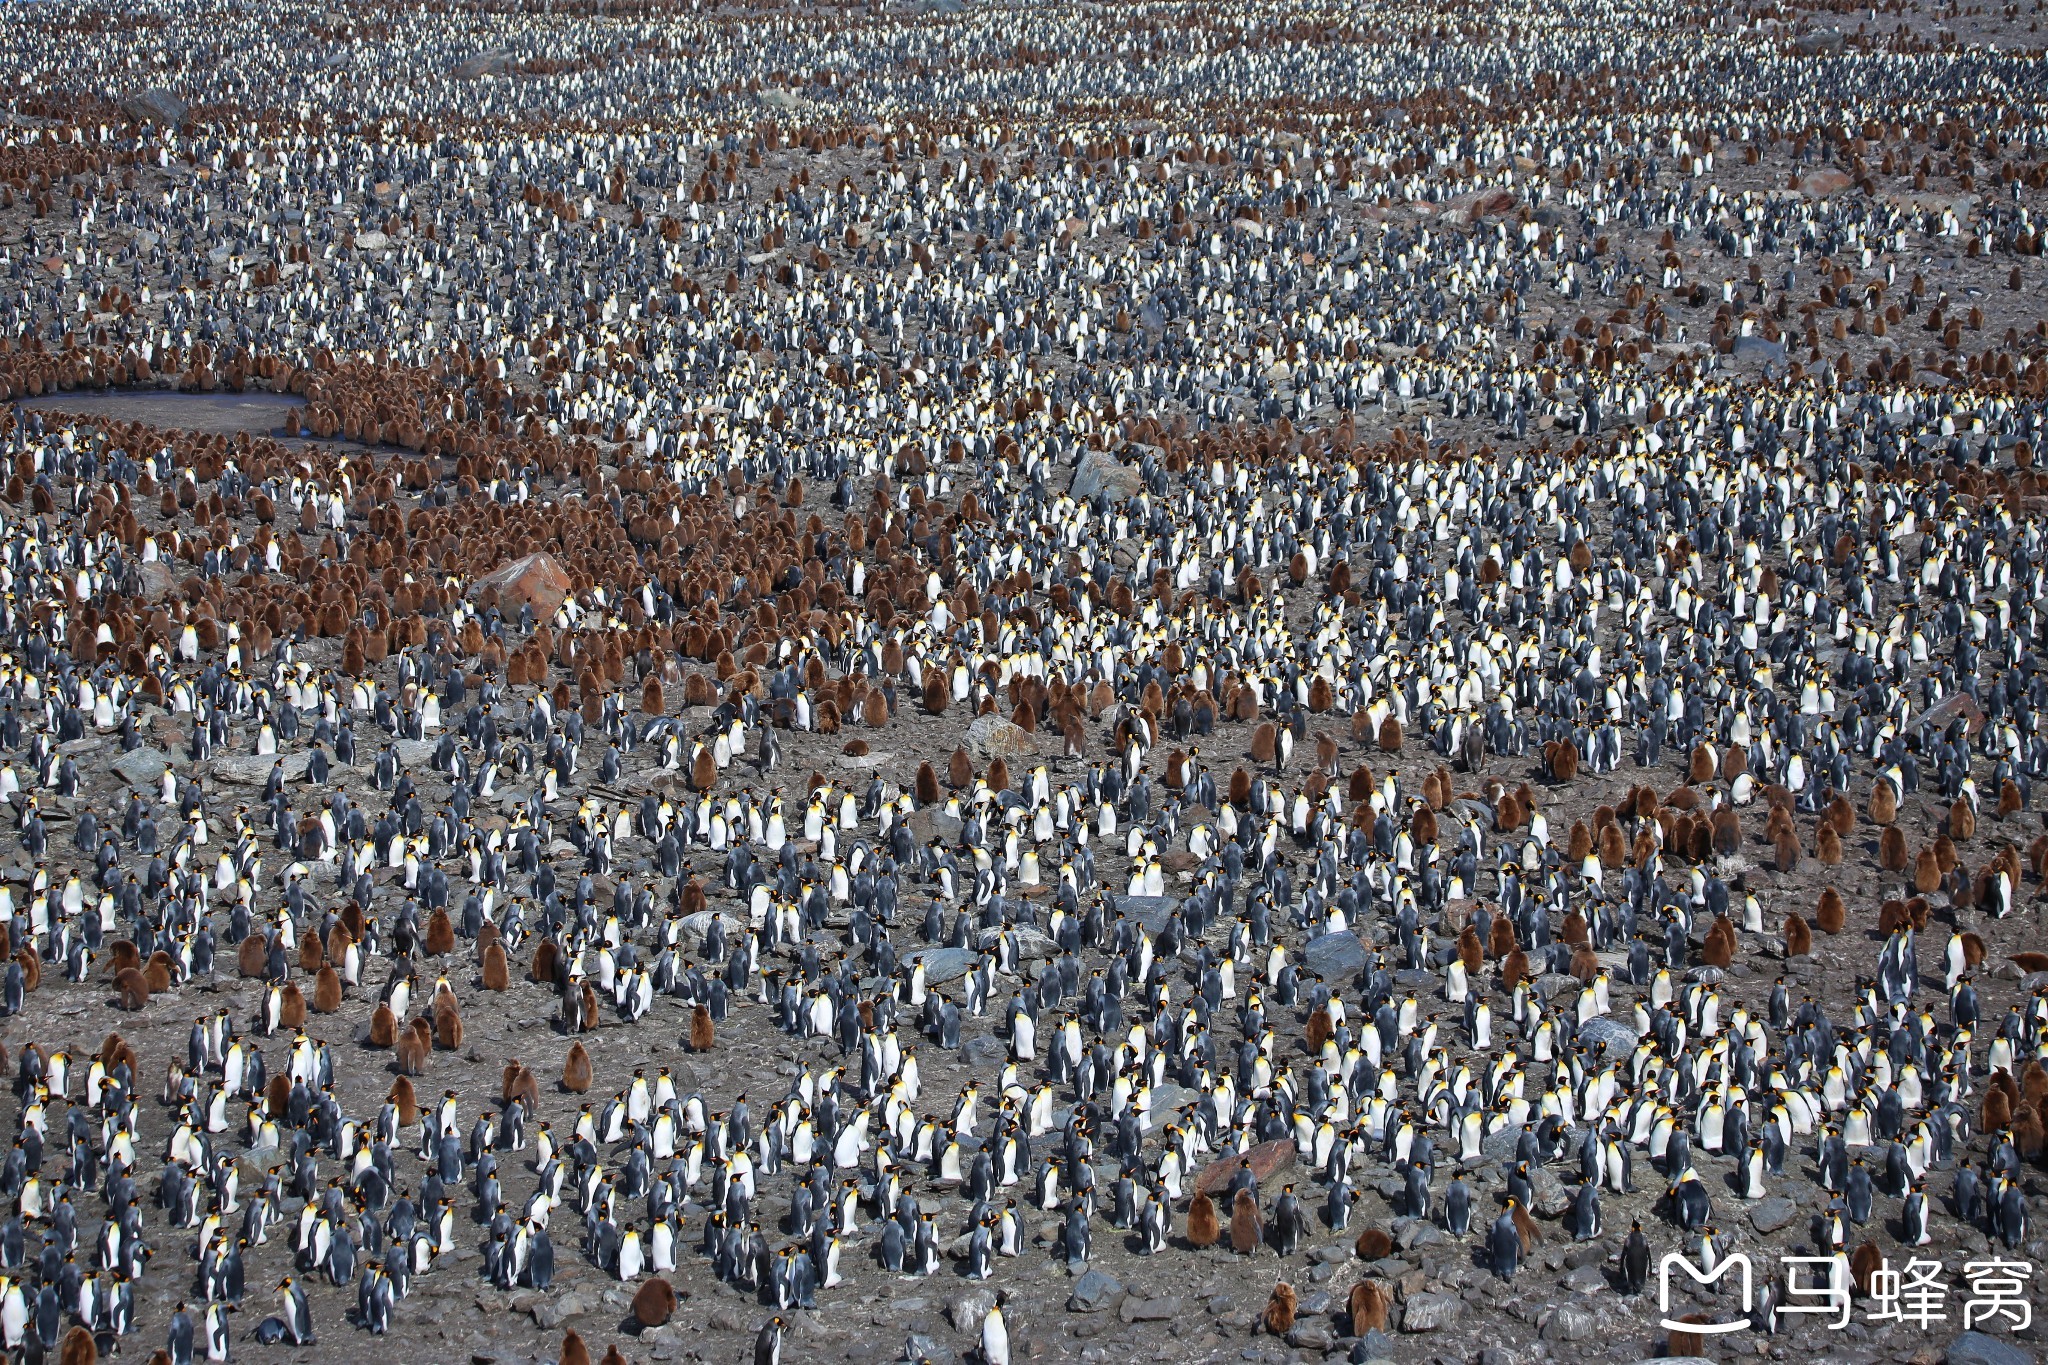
(1504, 1244)
(768, 1343)
(1458, 1207)
(1635, 1259)
(1585, 1212)
(1914, 1216)
(995, 1336)
(298, 1314)
(218, 1336)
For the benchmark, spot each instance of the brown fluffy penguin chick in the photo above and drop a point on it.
(1373, 1244)
(1265, 742)
(412, 1048)
(545, 956)
(1247, 1228)
(1203, 1229)
(251, 958)
(1830, 914)
(927, 785)
(2034, 1084)
(1962, 820)
(403, 1098)
(114, 1050)
(702, 1035)
(703, 771)
(1926, 871)
(1864, 1263)
(1470, 951)
(131, 989)
(576, 1070)
(959, 770)
(654, 1303)
(440, 934)
(1514, 969)
(1279, 1315)
(1884, 803)
(383, 1026)
(1892, 855)
(1717, 951)
(78, 1348)
(574, 1352)
(1840, 815)
(1685, 1344)
(291, 1011)
(1700, 767)
(522, 1085)
(1320, 1031)
(1798, 935)
(2029, 1135)
(1613, 849)
(1827, 846)
(1500, 938)
(1997, 1111)
(327, 990)
(447, 1025)
(1390, 735)
(1367, 1307)
(497, 973)
(2009, 802)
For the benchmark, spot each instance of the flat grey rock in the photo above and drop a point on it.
(1149, 1310)
(1773, 1213)
(142, 767)
(992, 737)
(1547, 1193)
(1618, 1037)
(942, 964)
(1335, 956)
(1095, 1292)
(1150, 911)
(1431, 1312)
(1586, 1279)
(1761, 348)
(157, 104)
(966, 1310)
(1980, 1348)
(253, 770)
(1570, 1322)
(1101, 472)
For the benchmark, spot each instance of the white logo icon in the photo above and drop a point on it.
(1736, 1261)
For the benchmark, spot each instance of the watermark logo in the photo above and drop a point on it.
(1915, 1294)
(1735, 1261)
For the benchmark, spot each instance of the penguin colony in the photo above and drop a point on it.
(919, 643)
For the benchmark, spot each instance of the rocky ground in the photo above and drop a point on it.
(1758, 320)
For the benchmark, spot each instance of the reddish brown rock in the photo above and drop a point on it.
(1268, 1159)
(538, 579)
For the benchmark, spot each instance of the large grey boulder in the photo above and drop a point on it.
(1101, 472)
(992, 737)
